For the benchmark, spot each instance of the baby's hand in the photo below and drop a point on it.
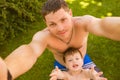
(96, 75)
(56, 74)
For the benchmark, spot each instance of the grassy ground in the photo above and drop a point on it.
(104, 52)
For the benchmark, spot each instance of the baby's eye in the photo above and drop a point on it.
(70, 60)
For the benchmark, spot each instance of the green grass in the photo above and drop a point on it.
(104, 52)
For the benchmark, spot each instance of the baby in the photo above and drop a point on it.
(73, 61)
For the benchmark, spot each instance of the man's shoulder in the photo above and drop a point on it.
(42, 34)
(83, 18)
(83, 21)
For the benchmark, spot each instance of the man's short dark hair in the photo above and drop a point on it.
(53, 6)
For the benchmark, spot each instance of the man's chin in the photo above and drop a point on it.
(61, 37)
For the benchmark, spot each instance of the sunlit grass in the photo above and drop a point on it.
(84, 4)
(109, 14)
(70, 1)
(99, 4)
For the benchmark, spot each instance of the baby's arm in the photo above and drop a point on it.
(57, 74)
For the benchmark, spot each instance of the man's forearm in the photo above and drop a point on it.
(111, 27)
(3, 70)
(20, 61)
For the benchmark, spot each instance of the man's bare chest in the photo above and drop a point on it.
(58, 46)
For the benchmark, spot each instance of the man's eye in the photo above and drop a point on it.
(77, 58)
(52, 25)
(64, 19)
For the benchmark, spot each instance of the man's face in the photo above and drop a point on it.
(60, 23)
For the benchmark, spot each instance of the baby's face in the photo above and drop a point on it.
(74, 62)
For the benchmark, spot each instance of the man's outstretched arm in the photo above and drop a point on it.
(108, 27)
(24, 57)
(3, 70)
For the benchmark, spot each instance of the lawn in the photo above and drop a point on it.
(104, 52)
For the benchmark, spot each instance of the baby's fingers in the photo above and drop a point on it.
(53, 74)
(53, 78)
(103, 78)
(100, 73)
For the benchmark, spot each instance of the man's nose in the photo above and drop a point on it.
(60, 28)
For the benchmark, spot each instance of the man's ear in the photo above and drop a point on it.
(70, 12)
(44, 20)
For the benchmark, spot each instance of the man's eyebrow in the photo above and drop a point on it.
(63, 17)
(51, 22)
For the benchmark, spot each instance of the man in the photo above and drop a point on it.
(3, 70)
(62, 31)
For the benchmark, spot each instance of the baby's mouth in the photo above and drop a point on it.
(75, 65)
